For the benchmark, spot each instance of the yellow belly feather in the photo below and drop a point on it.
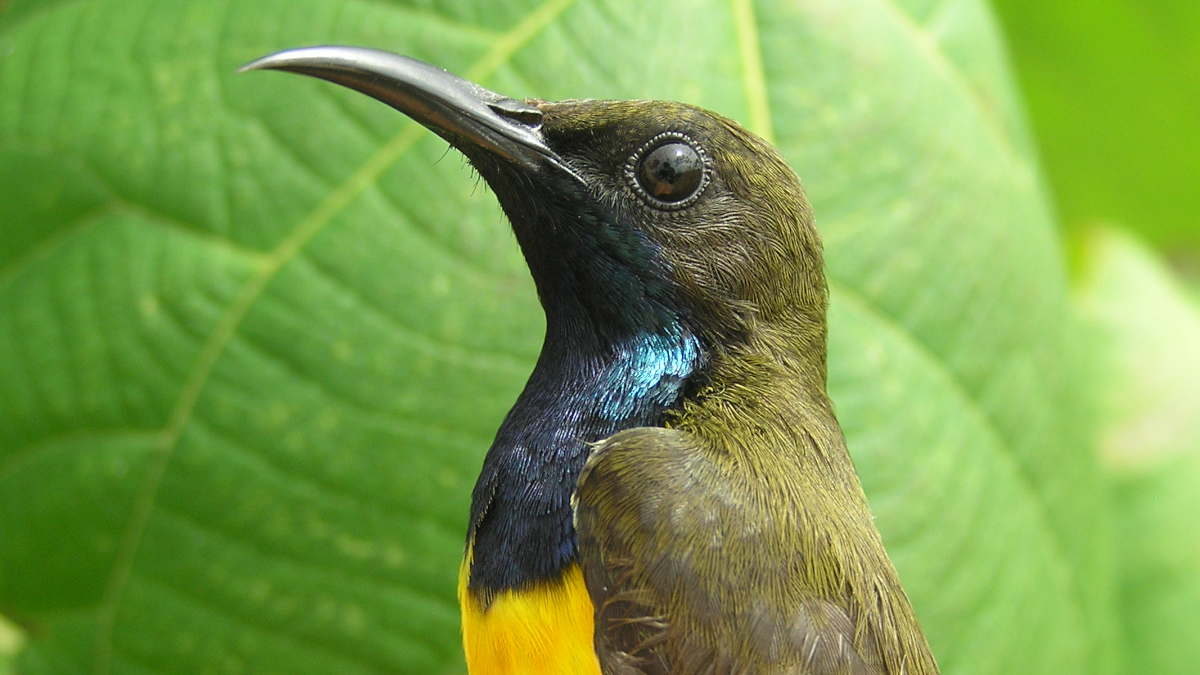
(544, 630)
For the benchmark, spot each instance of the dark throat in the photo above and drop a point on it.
(582, 390)
(616, 356)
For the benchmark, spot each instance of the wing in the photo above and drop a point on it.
(700, 562)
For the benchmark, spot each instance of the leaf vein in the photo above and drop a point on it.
(326, 490)
(51, 445)
(450, 253)
(988, 423)
(207, 605)
(359, 577)
(53, 243)
(418, 15)
(451, 353)
(930, 48)
(758, 102)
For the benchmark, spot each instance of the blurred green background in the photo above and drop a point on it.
(1110, 89)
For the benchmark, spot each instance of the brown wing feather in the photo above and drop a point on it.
(701, 565)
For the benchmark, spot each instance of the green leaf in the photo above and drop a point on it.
(1113, 88)
(1149, 327)
(255, 337)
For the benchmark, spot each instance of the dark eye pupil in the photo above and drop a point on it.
(672, 172)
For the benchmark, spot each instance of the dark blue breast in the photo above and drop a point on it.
(522, 529)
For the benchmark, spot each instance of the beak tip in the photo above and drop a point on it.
(261, 63)
(276, 61)
(282, 60)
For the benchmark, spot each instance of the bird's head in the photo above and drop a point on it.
(634, 216)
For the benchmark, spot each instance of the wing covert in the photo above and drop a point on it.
(699, 564)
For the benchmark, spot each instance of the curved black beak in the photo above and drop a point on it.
(456, 109)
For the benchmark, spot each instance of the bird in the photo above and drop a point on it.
(671, 493)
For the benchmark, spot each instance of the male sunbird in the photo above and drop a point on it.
(671, 493)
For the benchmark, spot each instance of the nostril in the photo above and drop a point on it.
(517, 110)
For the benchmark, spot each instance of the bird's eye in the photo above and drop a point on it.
(669, 172)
